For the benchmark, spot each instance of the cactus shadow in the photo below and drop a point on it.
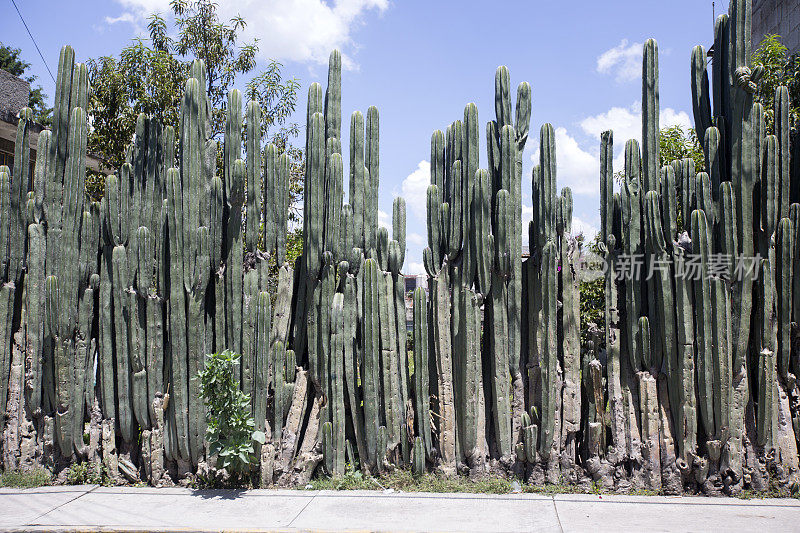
(218, 494)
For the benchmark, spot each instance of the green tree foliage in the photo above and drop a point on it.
(592, 291)
(12, 62)
(780, 68)
(231, 429)
(678, 143)
(140, 80)
(149, 76)
(592, 306)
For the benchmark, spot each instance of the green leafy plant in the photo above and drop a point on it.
(231, 429)
(676, 143)
(591, 287)
(593, 295)
(86, 474)
(25, 479)
(780, 68)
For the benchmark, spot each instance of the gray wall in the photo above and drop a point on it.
(777, 16)
(14, 94)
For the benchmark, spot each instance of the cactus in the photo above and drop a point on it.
(357, 182)
(371, 181)
(19, 191)
(470, 429)
(766, 363)
(421, 346)
(499, 325)
(701, 102)
(569, 325)
(262, 363)
(544, 287)
(443, 360)
(418, 463)
(683, 379)
(550, 375)
(334, 456)
(783, 290)
(681, 349)
(389, 360)
(650, 112)
(371, 359)
(704, 332)
(278, 355)
(613, 329)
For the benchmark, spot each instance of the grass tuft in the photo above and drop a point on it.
(25, 479)
(87, 473)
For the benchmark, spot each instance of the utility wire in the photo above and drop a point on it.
(34, 41)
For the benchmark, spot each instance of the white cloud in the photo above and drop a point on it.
(575, 167)
(142, 8)
(624, 61)
(416, 239)
(626, 122)
(415, 187)
(385, 221)
(414, 269)
(138, 22)
(581, 226)
(293, 30)
(125, 17)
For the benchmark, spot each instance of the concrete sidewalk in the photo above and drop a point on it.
(95, 508)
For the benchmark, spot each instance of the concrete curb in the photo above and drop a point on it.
(107, 509)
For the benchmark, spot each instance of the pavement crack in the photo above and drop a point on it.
(555, 508)
(81, 494)
(301, 510)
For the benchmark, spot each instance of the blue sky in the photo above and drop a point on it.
(421, 62)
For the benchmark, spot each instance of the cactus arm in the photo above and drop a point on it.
(650, 110)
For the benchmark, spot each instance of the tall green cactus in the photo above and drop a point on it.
(334, 455)
(634, 248)
(371, 359)
(422, 391)
(765, 363)
(6, 291)
(703, 298)
(550, 400)
(569, 326)
(253, 179)
(499, 324)
(650, 115)
(371, 181)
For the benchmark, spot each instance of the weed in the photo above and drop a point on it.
(87, 474)
(25, 479)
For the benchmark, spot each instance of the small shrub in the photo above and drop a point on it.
(351, 480)
(25, 479)
(231, 430)
(86, 474)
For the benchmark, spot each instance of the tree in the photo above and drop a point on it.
(780, 68)
(677, 143)
(591, 286)
(149, 76)
(11, 62)
(141, 80)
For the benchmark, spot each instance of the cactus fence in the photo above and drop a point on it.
(110, 308)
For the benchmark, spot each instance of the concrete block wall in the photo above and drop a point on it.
(781, 17)
(14, 93)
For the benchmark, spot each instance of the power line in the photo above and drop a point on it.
(34, 41)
